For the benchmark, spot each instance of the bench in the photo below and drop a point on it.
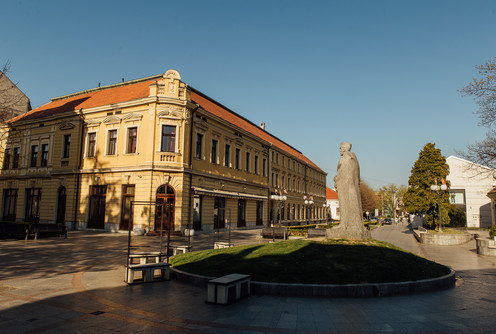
(143, 257)
(222, 244)
(179, 248)
(13, 229)
(316, 232)
(227, 289)
(46, 229)
(275, 232)
(147, 272)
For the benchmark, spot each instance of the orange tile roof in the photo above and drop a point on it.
(140, 89)
(331, 194)
(90, 99)
(222, 112)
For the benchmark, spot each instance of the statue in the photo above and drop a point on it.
(347, 183)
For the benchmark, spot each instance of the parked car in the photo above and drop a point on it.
(388, 221)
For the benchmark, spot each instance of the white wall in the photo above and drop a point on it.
(476, 181)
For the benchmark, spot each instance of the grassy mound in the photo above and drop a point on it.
(307, 262)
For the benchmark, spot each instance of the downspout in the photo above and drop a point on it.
(78, 173)
(269, 211)
(190, 205)
(151, 174)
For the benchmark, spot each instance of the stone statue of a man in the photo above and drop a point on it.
(347, 183)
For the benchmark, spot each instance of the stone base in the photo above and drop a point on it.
(347, 233)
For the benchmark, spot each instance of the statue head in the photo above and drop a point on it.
(345, 147)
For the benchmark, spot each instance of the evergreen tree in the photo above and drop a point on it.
(419, 198)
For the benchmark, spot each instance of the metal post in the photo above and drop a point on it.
(168, 230)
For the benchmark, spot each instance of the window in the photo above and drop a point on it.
(6, 159)
(259, 213)
(283, 180)
(247, 162)
(273, 156)
(227, 155)
(44, 155)
(34, 155)
(112, 142)
(264, 167)
(219, 212)
(199, 144)
(213, 153)
(33, 198)
(277, 180)
(236, 159)
(132, 139)
(9, 204)
(256, 165)
(241, 212)
(283, 162)
(168, 138)
(91, 144)
(277, 158)
(15, 160)
(273, 180)
(67, 146)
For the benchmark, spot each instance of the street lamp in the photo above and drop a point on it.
(280, 199)
(435, 187)
(308, 202)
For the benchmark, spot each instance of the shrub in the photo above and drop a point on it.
(492, 232)
(458, 218)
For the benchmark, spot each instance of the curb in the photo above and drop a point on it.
(334, 290)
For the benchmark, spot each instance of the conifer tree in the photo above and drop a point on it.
(419, 198)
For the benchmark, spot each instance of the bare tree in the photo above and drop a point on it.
(369, 198)
(483, 90)
(13, 102)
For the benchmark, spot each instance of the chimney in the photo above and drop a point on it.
(262, 125)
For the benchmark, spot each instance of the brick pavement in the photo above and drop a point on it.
(75, 285)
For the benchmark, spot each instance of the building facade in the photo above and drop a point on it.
(470, 184)
(332, 202)
(152, 153)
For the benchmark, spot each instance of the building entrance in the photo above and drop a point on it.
(165, 208)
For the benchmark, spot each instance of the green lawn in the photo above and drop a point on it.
(303, 261)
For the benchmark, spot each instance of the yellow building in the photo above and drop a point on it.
(157, 151)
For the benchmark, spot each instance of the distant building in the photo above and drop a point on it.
(183, 159)
(332, 202)
(470, 184)
(13, 101)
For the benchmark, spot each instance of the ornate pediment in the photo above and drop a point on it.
(111, 119)
(92, 122)
(171, 112)
(132, 117)
(66, 126)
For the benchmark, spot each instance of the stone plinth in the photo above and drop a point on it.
(486, 246)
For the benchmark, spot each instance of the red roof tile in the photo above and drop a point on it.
(94, 98)
(331, 194)
(240, 122)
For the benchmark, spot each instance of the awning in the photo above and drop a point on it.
(228, 194)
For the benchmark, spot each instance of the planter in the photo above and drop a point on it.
(444, 239)
(486, 246)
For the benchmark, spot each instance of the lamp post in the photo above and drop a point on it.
(435, 187)
(280, 199)
(326, 210)
(308, 202)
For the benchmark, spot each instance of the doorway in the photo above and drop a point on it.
(165, 208)
(127, 197)
(61, 202)
(98, 196)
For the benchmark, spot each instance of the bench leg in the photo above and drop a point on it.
(148, 274)
(130, 276)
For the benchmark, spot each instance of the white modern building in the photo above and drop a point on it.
(470, 184)
(332, 202)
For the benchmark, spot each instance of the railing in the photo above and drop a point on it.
(167, 158)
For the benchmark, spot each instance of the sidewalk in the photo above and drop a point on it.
(75, 285)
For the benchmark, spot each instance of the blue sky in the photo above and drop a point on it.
(383, 75)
